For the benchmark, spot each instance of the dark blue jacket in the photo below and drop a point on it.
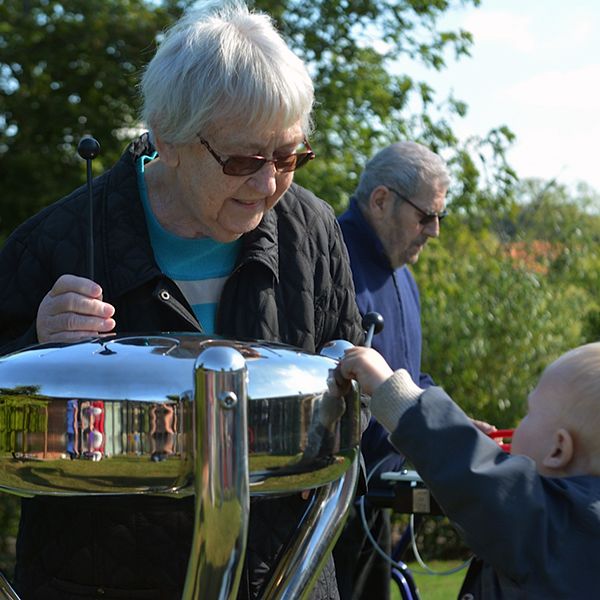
(535, 537)
(393, 294)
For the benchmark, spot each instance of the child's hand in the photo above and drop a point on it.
(365, 365)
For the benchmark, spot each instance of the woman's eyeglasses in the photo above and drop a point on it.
(239, 166)
(428, 216)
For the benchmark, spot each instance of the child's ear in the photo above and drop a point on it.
(169, 153)
(561, 453)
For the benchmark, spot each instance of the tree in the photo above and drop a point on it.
(353, 47)
(71, 68)
(500, 305)
(491, 322)
(67, 69)
(560, 228)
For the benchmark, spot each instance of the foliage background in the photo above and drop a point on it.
(502, 302)
(511, 284)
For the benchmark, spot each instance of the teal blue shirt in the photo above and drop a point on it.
(199, 266)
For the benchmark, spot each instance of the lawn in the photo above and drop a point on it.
(435, 587)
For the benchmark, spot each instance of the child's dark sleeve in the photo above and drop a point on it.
(509, 515)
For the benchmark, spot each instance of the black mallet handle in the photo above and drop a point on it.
(88, 149)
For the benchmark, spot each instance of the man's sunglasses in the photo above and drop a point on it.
(428, 216)
(247, 165)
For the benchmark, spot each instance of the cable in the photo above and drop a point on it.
(365, 525)
(429, 570)
(426, 570)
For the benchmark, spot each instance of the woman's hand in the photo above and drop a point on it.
(73, 309)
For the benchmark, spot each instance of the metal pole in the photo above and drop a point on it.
(221, 475)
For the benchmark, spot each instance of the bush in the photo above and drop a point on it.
(437, 538)
(490, 325)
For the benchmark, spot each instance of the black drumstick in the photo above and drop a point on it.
(88, 149)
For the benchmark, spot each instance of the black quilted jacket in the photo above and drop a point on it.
(292, 284)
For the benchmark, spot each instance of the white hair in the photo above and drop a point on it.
(223, 63)
(404, 166)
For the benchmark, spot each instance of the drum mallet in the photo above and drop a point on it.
(88, 149)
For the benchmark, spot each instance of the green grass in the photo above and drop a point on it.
(435, 587)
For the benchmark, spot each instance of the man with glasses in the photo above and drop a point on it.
(398, 206)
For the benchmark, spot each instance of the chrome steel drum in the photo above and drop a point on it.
(115, 416)
(180, 414)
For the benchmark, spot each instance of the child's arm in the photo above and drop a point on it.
(510, 516)
(516, 520)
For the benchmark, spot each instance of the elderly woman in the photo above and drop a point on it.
(197, 227)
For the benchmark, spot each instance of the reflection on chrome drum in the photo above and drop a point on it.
(183, 414)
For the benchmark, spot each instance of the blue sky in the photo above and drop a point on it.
(535, 66)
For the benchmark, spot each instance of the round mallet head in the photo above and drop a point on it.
(372, 323)
(88, 148)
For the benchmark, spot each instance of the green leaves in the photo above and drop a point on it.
(70, 69)
(500, 303)
(364, 101)
(66, 70)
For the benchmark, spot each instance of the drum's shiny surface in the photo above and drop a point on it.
(115, 415)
